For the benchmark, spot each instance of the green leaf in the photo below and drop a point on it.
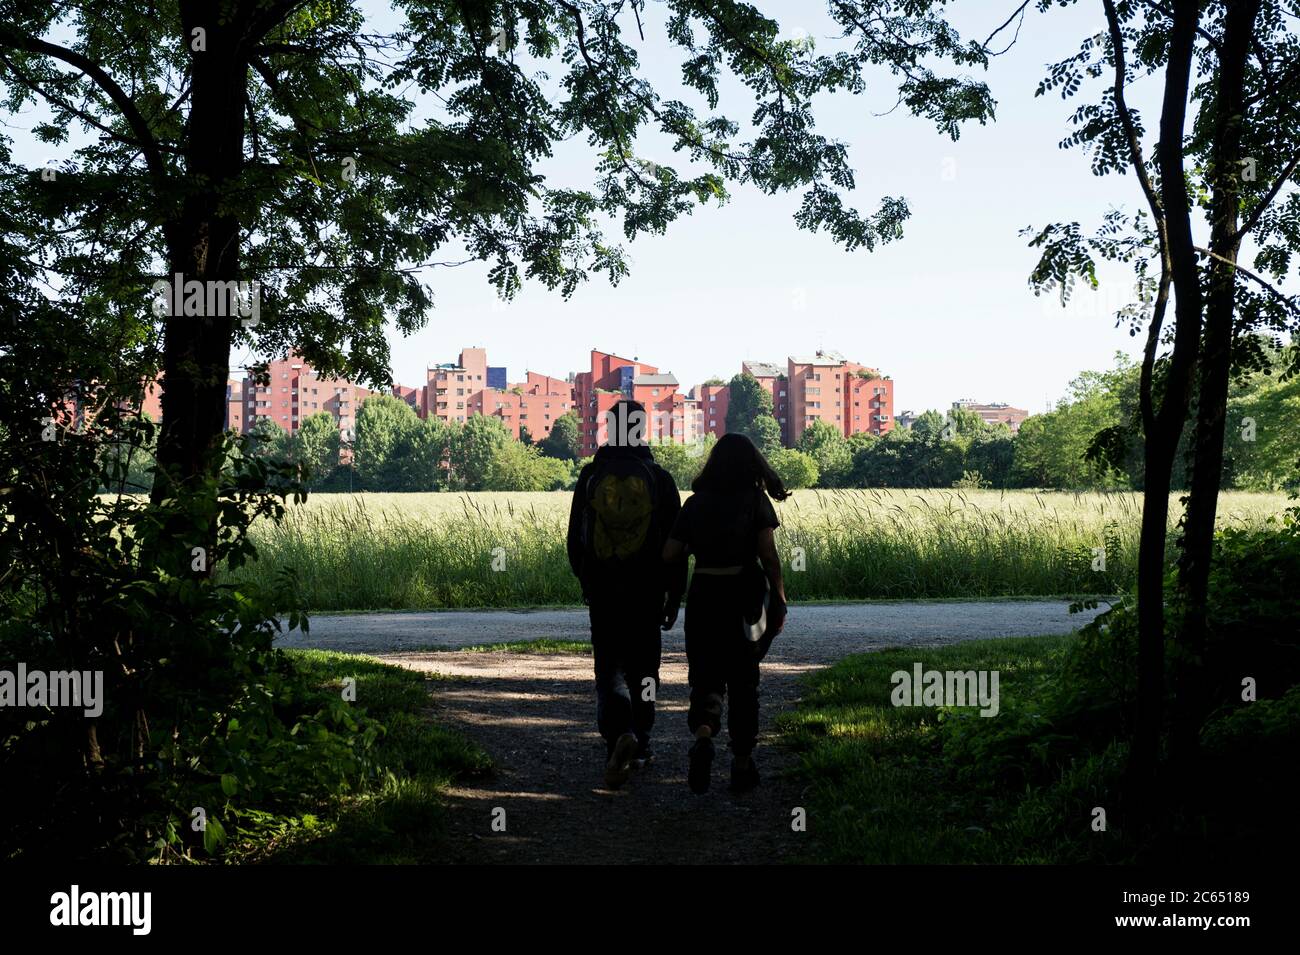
(214, 834)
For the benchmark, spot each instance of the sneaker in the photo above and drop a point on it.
(644, 756)
(619, 766)
(744, 776)
(701, 765)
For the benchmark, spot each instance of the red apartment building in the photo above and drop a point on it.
(295, 390)
(850, 397)
(534, 404)
(820, 387)
(713, 402)
(449, 388)
(453, 392)
(673, 416)
(412, 396)
(995, 413)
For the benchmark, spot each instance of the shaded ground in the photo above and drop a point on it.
(535, 715)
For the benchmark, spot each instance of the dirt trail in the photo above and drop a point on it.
(535, 715)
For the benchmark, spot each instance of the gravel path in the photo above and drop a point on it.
(535, 715)
(814, 633)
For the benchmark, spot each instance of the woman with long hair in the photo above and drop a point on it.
(728, 524)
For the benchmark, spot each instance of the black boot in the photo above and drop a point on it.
(701, 765)
(744, 774)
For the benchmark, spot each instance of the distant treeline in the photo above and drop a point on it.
(1091, 440)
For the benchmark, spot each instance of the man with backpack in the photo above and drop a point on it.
(623, 509)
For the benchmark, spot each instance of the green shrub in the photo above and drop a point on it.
(199, 712)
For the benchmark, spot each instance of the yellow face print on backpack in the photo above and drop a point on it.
(623, 507)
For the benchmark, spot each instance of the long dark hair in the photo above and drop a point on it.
(735, 463)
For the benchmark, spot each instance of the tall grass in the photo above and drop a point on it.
(419, 551)
(350, 556)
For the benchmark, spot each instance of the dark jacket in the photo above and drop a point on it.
(648, 575)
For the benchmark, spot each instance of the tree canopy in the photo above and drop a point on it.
(286, 143)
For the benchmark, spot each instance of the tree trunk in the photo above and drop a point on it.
(203, 245)
(1151, 614)
(1162, 437)
(1215, 367)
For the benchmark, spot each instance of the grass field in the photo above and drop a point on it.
(427, 551)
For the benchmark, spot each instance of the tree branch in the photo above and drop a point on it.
(1019, 12)
(1264, 203)
(1263, 283)
(147, 143)
(1126, 118)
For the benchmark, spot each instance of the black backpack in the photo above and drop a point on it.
(619, 521)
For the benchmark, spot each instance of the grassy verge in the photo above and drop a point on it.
(882, 789)
(543, 647)
(933, 784)
(396, 815)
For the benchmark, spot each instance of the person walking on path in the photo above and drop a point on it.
(728, 524)
(623, 507)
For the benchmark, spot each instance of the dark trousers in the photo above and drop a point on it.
(626, 644)
(722, 663)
